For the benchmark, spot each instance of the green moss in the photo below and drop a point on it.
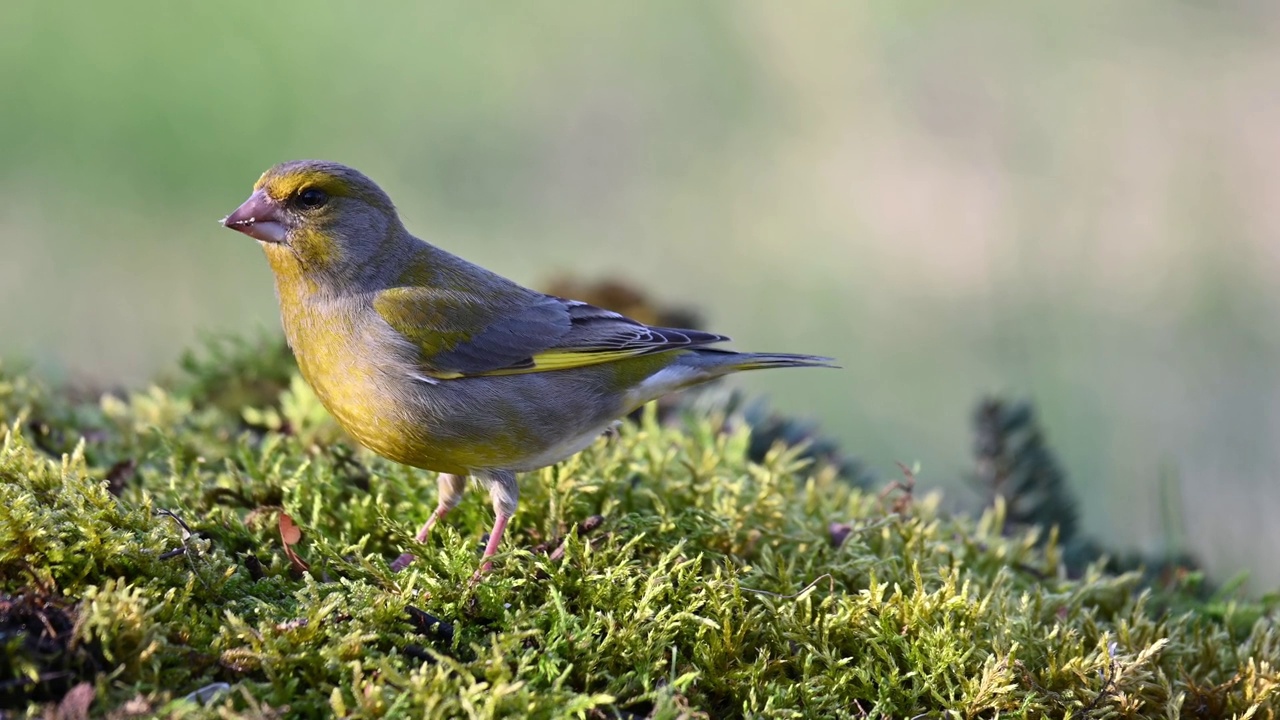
(713, 586)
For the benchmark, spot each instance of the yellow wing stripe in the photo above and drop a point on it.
(565, 359)
(554, 360)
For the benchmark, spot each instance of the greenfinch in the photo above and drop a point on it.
(437, 363)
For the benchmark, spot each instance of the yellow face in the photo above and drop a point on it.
(314, 218)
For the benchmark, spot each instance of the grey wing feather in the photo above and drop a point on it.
(595, 329)
(512, 339)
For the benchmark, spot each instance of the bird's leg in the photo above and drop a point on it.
(506, 495)
(449, 494)
(450, 489)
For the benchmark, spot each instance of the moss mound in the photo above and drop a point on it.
(660, 574)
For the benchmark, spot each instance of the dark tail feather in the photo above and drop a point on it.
(758, 361)
(729, 361)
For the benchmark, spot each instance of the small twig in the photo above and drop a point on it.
(902, 504)
(187, 534)
(186, 530)
(1108, 683)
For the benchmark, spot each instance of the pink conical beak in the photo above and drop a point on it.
(259, 218)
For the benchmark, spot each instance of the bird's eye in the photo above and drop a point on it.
(312, 198)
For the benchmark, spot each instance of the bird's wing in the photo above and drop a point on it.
(459, 334)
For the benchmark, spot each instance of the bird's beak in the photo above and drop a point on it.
(258, 217)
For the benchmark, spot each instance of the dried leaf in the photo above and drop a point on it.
(289, 530)
(75, 705)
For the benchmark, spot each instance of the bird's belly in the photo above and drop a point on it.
(555, 453)
(460, 426)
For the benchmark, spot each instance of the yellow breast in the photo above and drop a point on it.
(347, 366)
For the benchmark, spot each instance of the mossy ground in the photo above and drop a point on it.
(140, 553)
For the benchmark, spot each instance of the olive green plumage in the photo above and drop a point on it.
(437, 363)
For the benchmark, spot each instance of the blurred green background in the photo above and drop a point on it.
(1072, 201)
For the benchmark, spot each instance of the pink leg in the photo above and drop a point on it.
(505, 494)
(495, 539)
(451, 488)
(425, 531)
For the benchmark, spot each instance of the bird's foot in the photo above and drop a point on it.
(480, 574)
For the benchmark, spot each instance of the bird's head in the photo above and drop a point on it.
(318, 219)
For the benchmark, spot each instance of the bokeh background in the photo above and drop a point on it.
(1073, 202)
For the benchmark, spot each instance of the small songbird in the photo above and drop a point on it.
(434, 362)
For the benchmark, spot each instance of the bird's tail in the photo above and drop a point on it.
(697, 366)
(717, 362)
(761, 361)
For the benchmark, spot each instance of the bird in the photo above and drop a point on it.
(437, 363)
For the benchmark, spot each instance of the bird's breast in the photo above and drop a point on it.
(351, 372)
